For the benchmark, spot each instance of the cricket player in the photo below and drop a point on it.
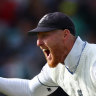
(71, 62)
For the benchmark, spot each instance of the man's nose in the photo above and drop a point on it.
(39, 42)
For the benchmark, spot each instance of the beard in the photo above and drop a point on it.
(54, 60)
(52, 63)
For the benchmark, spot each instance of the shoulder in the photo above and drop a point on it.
(44, 76)
(57, 72)
(90, 50)
(91, 46)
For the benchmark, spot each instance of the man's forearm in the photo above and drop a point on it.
(40, 85)
(15, 87)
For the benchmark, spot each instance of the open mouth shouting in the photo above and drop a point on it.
(47, 53)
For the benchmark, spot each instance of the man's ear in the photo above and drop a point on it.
(66, 33)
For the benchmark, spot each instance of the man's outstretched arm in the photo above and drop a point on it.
(38, 86)
(15, 87)
(22, 87)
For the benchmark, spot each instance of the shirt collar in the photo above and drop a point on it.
(72, 59)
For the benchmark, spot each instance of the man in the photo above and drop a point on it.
(71, 62)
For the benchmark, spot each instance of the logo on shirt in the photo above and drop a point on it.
(79, 93)
(42, 19)
(49, 89)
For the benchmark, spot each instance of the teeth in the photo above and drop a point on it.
(44, 50)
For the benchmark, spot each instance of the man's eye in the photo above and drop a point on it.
(44, 35)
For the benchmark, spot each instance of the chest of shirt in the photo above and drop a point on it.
(77, 84)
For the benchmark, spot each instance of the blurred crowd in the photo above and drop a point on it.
(19, 55)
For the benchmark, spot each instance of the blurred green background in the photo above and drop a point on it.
(19, 55)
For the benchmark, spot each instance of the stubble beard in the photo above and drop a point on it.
(54, 61)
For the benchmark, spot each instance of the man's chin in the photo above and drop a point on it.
(52, 65)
